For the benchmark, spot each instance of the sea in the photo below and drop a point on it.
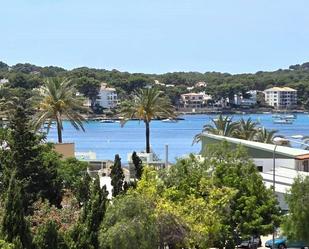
(109, 139)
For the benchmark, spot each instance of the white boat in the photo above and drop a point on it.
(283, 121)
(108, 121)
(168, 120)
(289, 116)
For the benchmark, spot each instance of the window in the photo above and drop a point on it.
(260, 168)
(306, 166)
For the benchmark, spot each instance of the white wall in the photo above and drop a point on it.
(107, 99)
(267, 163)
(107, 181)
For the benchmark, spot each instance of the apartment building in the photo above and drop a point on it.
(107, 97)
(281, 97)
(194, 100)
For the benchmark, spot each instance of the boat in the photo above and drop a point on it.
(283, 121)
(168, 120)
(289, 116)
(107, 121)
(276, 116)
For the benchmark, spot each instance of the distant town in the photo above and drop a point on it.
(216, 92)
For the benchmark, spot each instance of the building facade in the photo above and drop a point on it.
(281, 97)
(107, 97)
(194, 100)
(251, 100)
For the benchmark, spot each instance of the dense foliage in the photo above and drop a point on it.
(194, 204)
(14, 227)
(218, 84)
(296, 223)
(35, 164)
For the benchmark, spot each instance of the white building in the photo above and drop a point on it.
(150, 159)
(102, 168)
(107, 97)
(3, 81)
(250, 101)
(289, 162)
(194, 100)
(281, 97)
(201, 84)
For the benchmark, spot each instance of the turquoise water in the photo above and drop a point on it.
(108, 139)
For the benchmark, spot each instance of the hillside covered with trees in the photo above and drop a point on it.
(87, 80)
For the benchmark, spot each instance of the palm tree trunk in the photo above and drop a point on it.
(59, 131)
(147, 137)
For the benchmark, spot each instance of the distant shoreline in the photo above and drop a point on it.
(103, 117)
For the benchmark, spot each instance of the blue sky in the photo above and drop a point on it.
(156, 36)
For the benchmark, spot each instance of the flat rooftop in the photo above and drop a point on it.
(284, 178)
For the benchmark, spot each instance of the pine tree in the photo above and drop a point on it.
(14, 227)
(35, 164)
(95, 211)
(117, 176)
(82, 189)
(48, 237)
(138, 164)
(85, 233)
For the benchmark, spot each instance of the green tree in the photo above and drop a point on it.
(138, 165)
(85, 234)
(89, 87)
(246, 129)
(146, 105)
(21, 80)
(265, 136)
(58, 101)
(48, 237)
(295, 224)
(129, 223)
(81, 189)
(190, 189)
(70, 172)
(14, 226)
(253, 210)
(222, 125)
(3, 66)
(117, 176)
(35, 163)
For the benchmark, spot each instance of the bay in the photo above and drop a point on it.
(108, 139)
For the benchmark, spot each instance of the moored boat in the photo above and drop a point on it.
(168, 120)
(283, 121)
(107, 121)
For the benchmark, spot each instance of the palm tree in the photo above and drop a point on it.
(246, 129)
(58, 101)
(146, 105)
(265, 136)
(222, 126)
